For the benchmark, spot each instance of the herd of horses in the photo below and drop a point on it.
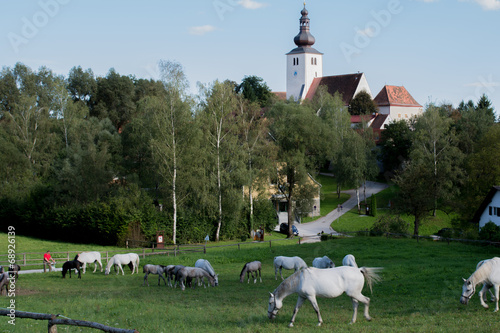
(323, 279)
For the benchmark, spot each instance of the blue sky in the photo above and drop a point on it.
(440, 50)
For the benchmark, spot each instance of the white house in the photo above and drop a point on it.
(489, 211)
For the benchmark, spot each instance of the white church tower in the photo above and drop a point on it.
(303, 63)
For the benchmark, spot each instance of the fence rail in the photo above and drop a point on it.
(53, 321)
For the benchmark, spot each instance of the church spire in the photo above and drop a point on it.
(304, 38)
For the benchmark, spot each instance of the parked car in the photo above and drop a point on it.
(284, 229)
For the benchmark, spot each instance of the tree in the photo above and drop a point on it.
(173, 124)
(82, 85)
(260, 151)
(435, 147)
(114, 99)
(219, 125)
(396, 144)
(297, 131)
(362, 104)
(413, 197)
(254, 89)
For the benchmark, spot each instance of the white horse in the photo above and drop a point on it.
(205, 264)
(131, 259)
(194, 273)
(89, 258)
(249, 268)
(154, 269)
(349, 260)
(488, 273)
(294, 263)
(323, 262)
(311, 282)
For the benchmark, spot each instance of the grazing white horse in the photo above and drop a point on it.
(205, 264)
(194, 273)
(323, 262)
(488, 273)
(154, 269)
(311, 282)
(349, 260)
(92, 257)
(131, 259)
(294, 263)
(249, 268)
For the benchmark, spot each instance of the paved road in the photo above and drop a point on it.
(310, 230)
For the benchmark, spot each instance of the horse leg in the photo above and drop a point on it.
(482, 294)
(496, 290)
(300, 301)
(315, 306)
(281, 274)
(100, 264)
(145, 279)
(79, 273)
(121, 269)
(260, 276)
(366, 301)
(84, 266)
(163, 279)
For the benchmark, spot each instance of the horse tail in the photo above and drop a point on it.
(371, 275)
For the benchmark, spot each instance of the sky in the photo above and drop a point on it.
(442, 51)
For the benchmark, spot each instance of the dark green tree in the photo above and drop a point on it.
(254, 89)
(362, 104)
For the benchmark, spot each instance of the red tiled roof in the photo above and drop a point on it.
(346, 85)
(281, 95)
(395, 96)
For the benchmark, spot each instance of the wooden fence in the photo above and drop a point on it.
(53, 321)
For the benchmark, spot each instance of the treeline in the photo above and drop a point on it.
(103, 159)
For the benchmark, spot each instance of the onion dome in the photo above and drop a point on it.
(304, 38)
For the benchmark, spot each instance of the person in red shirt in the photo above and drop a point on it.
(48, 260)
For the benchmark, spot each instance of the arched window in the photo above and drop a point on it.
(297, 61)
(294, 61)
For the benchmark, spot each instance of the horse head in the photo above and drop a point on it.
(468, 290)
(274, 306)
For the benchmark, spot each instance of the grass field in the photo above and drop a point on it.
(419, 292)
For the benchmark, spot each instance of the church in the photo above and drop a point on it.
(304, 74)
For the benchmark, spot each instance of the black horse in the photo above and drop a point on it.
(70, 265)
(14, 271)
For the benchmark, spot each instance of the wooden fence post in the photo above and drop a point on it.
(24, 258)
(238, 246)
(270, 246)
(143, 253)
(205, 249)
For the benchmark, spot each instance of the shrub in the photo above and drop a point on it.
(490, 232)
(373, 206)
(389, 224)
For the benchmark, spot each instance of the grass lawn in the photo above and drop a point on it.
(419, 292)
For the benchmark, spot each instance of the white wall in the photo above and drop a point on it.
(486, 217)
(401, 112)
(305, 73)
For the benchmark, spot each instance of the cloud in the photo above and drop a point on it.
(201, 30)
(251, 4)
(489, 4)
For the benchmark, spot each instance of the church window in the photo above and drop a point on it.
(399, 115)
(294, 61)
(315, 61)
(312, 61)
(297, 61)
(406, 115)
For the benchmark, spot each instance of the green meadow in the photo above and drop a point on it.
(419, 292)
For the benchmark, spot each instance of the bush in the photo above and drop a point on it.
(490, 232)
(373, 206)
(389, 224)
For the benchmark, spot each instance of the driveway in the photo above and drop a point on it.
(311, 230)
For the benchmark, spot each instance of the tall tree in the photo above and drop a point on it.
(218, 119)
(297, 131)
(172, 119)
(435, 147)
(396, 143)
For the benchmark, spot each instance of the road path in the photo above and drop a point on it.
(311, 230)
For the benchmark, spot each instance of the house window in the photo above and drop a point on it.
(399, 115)
(406, 115)
(315, 61)
(312, 61)
(297, 61)
(491, 210)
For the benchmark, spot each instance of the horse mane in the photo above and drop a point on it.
(243, 271)
(482, 272)
(290, 283)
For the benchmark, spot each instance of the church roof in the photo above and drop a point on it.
(344, 84)
(395, 96)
